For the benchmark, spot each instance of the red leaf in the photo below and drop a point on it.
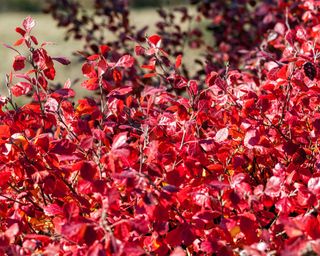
(71, 210)
(139, 50)
(299, 157)
(21, 31)
(44, 62)
(248, 228)
(117, 77)
(119, 140)
(312, 227)
(273, 187)
(170, 188)
(34, 40)
(21, 88)
(74, 231)
(122, 231)
(4, 131)
(62, 147)
(149, 75)
(50, 73)
(67, 84)
(88, 170)
(210, 79)
(90, 235)
(121, 91)
(155, 40)
(53, 210)
(91, 84)
(93, 57)
(183, 234)
(64, 93)
(192, 88)
(42, 238)
(291, 37)
(51, 105)
(290, 148)
(88, 70)
(151, 67)
(12, 231)
(18, 63)
(102, 67)
(4, 178)
(178, 61)
(104, 49)
(125, 61)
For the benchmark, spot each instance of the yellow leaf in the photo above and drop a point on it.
(235, 231)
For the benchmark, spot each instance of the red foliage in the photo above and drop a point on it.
(162, 164)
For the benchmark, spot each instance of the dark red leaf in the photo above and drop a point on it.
(62, 60)
(251, 138)
(21, 31)
(309, 70)
(88, 170)
(62, 147)
(19, 62)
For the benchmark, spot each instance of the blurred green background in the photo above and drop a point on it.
(37, 5)
(21, 5)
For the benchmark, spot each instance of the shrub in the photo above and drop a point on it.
(162, 164)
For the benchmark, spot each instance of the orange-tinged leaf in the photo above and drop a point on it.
(149, 75)
(4, 131)
(19, 140)
(178, 61)
(117, 77)
(235, 231)
(19, 42)
(90, 84)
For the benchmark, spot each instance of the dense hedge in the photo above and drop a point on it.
(223, 160)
